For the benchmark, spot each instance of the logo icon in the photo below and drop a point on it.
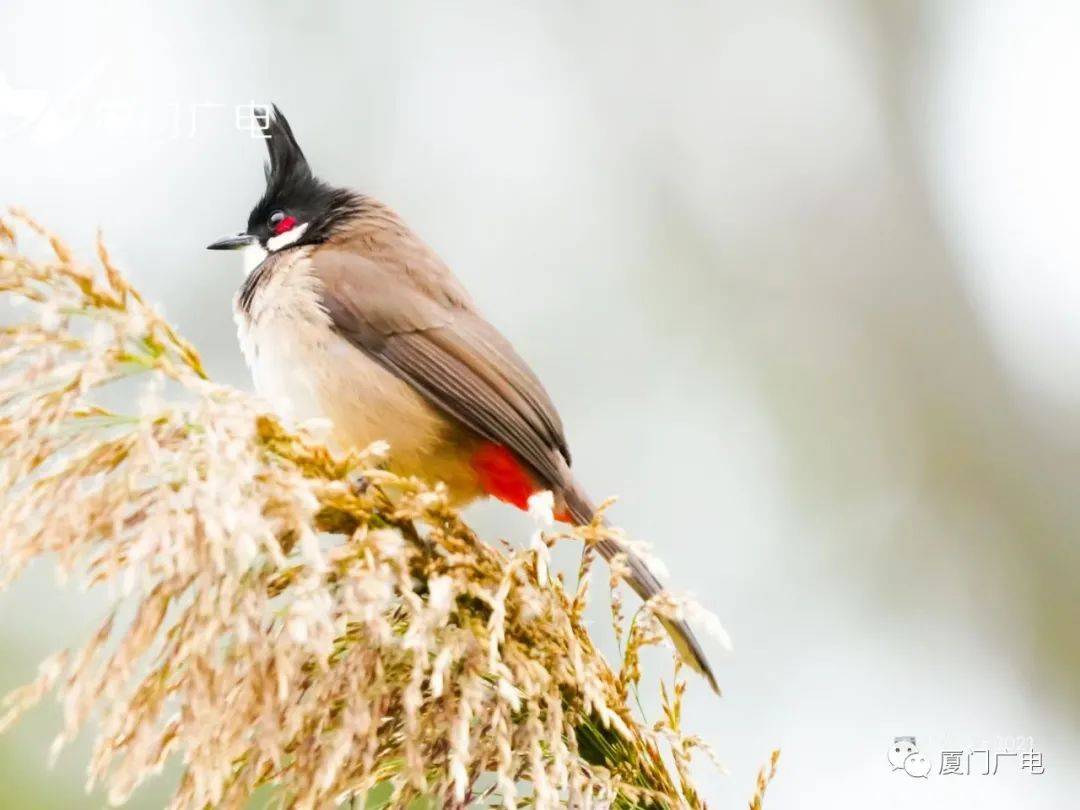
(917, 765)
(20, 107)
(901, 749)
(904, 756)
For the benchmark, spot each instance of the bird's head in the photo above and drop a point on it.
(296, 208)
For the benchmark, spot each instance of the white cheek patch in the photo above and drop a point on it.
(285, 239)
(253, 255)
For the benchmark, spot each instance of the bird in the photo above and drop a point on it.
(345, 314)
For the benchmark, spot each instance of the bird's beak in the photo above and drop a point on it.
(232, 242)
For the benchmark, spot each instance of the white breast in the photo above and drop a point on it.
(305, 370)
(284, 331)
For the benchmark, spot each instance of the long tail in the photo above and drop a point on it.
(645, 584)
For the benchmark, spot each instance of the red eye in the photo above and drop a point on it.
(279, 222)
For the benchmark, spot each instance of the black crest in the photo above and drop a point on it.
(286, 164)
(292, 187)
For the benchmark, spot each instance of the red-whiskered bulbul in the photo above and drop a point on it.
(345, 314)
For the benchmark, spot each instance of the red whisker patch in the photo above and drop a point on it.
(286, 224)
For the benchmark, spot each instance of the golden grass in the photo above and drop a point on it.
(765, 776)
(301, 618)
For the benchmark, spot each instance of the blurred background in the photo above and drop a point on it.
(801, 276)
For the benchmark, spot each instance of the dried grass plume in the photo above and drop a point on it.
(286, 615)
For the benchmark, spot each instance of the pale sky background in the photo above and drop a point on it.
(801, 276)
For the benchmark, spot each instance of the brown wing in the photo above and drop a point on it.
(419, 324)
(421, 327)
